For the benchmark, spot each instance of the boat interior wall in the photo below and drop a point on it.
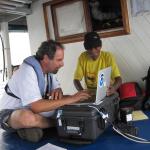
(138, 7)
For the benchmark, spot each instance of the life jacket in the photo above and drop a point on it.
(32, 61)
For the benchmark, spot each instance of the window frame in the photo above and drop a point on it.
(53, 5)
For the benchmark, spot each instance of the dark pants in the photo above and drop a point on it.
(4, 116)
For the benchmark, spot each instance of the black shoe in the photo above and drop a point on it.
(30, 134)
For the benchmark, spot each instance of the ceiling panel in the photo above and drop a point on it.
(14, 9)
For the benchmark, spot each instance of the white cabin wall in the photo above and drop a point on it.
(132, 51)
(36, 26)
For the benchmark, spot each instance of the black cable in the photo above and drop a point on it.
(118, 130)
(3, 58)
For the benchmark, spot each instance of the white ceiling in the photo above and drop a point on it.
(14, 9)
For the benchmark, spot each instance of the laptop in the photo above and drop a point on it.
(103, 83)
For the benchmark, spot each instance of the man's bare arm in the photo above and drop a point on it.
(78, 85)
(44, 105)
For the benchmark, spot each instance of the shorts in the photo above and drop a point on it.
(4, 116)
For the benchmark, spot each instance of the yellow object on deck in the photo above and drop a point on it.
(139, 115)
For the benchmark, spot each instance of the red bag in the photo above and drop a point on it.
(131, 95)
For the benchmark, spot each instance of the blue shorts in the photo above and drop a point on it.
(4, 116)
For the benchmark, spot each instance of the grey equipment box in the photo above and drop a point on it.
(76, 123)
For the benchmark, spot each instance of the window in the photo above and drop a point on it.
(72, 18)
(19, 47)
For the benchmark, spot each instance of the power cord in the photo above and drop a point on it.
(104, 116)
(131, 137)
(126, 135)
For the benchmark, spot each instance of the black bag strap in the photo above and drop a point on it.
(8, 91)
(49, 86)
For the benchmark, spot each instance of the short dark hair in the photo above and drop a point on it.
(48, 48)
(92, 40)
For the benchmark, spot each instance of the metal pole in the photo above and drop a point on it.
(5, 36)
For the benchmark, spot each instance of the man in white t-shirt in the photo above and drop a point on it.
(33, 93)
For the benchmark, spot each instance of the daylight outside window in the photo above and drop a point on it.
(19, 48)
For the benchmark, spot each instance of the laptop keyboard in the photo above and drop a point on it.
(89, 100)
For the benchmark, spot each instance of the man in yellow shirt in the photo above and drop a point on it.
(93, 60)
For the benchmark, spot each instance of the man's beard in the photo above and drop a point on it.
(54, 72)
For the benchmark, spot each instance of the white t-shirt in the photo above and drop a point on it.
(24, 84)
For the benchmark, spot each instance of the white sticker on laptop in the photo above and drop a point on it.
(101, 80)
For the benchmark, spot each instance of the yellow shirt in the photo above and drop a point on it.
(89, 68)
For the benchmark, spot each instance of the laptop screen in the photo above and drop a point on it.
(102, 84)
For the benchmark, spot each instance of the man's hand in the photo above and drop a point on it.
(56, 94)
(110, 90)
(113, 88)
(48, 105)
(80, 96)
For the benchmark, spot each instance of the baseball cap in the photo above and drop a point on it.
(92, 40)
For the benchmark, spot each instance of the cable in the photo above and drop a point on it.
(129, 138)
(104, 116)
(125, 135)
(3, 57)
(136, 137)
